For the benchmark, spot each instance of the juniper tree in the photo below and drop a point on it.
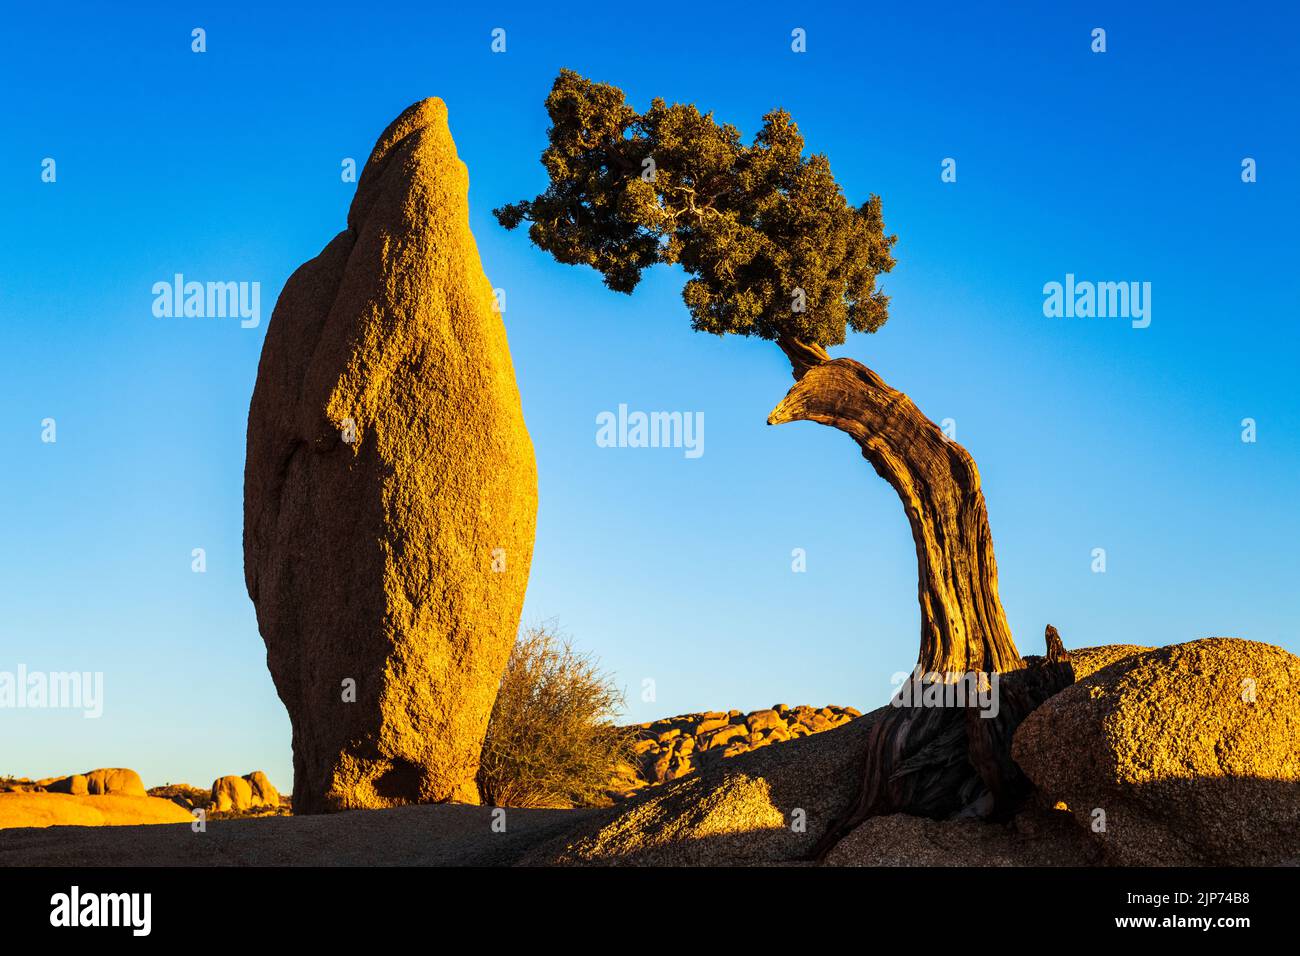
(773, 249)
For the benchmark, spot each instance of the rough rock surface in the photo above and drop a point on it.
(252, 791)
(1192, 751)
(771, 806)
(743, 810)
(768, 805)
(106, 780)
(1034, 838)
(231, 793)
(264, 792)
(443, 835)
(115, 780)
(673, 747)
(390, 489)
(1089, 660)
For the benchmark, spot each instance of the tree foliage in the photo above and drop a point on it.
(771, 245)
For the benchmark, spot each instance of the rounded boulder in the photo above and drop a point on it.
(1183, 755)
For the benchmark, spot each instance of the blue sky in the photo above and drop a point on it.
(1122, 166)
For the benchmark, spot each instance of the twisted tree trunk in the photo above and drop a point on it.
(945, 746)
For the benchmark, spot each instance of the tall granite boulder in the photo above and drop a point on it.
(390, 490)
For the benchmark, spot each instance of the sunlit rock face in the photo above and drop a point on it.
(390, 489)
(105, 780)
(250, 792)
(1182, 755)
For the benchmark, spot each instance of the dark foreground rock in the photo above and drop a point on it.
(1036, 837)
(404, 836)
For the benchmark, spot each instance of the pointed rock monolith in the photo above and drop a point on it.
(390, 490)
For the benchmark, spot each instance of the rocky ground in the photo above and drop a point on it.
(430, 835)
(674, 747)
(1184, 755)
(116, 797)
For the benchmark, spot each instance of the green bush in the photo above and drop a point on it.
(551, 741)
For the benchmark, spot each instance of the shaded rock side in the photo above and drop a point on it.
(74, 784)
(264, 792)
(390, 489)
(769, 805)
(183, 795)
(1035, 837)
(674, 747)
(773, 804)
(1192, 752)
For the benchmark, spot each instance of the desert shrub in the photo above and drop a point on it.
(551, 741)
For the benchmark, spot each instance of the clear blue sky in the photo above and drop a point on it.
(1089, 433)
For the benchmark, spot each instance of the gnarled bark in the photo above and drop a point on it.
(933, 755)
(963, 626)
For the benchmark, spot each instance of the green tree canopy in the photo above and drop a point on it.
(772, 246)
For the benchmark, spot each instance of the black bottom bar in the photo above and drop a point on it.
(564, 906)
